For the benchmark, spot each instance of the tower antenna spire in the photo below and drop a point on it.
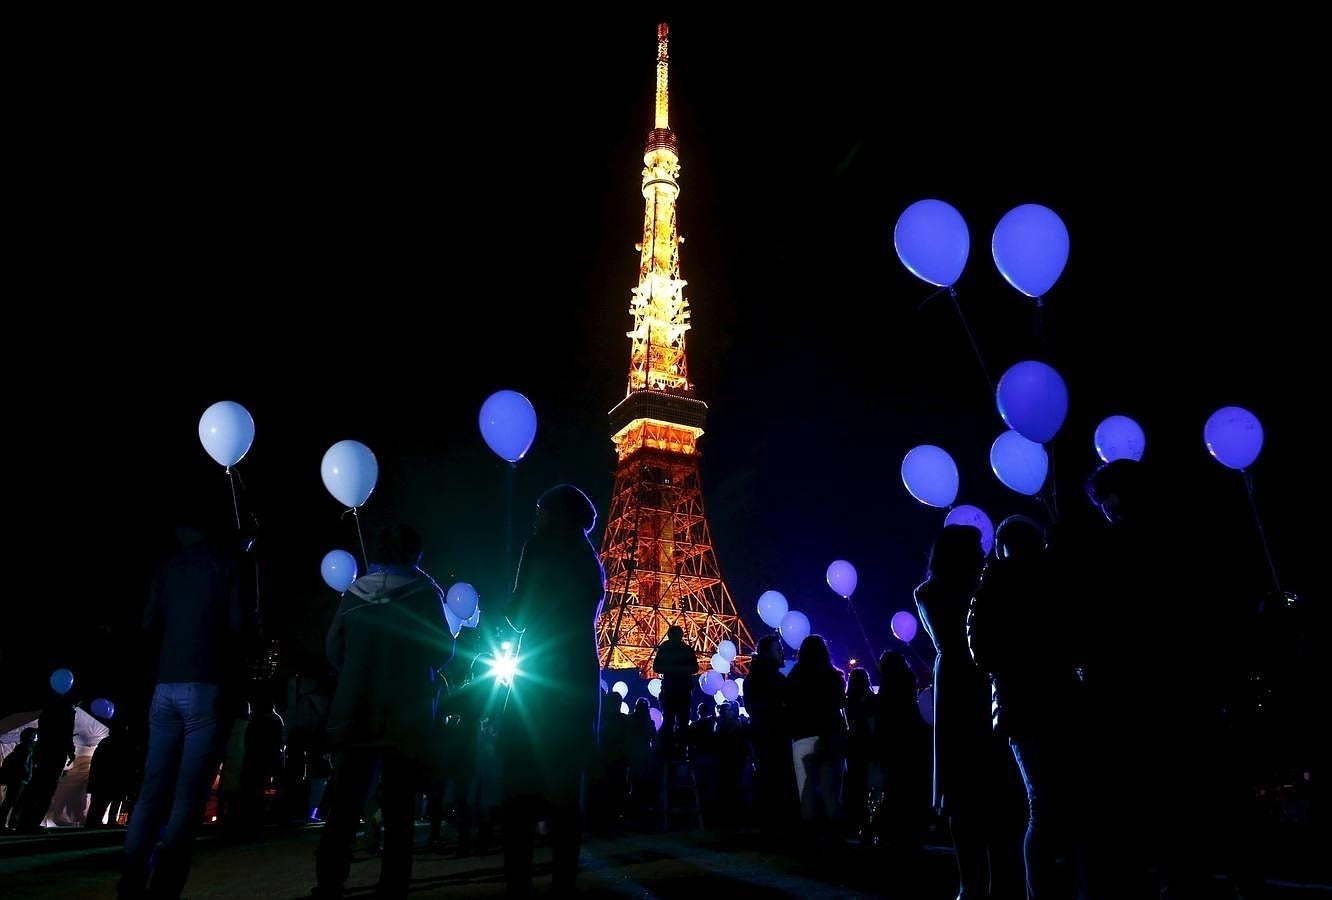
(663, 119)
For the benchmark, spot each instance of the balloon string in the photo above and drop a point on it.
(975, 348)
(1262, 534)
(361, 537)
(508, 526)
(855, 614)
(933, 294)
(235, 503)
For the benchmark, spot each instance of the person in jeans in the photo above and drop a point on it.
(200, 621)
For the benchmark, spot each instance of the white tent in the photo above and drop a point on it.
(70, 803)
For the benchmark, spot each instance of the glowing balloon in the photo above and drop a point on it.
(1119, 437)
(740, 686)
(711, 682)
(719, 698)
(620, 688)
(350, 472)
(624, 709)
(932, 241)
(508, 424)
(720, 663)
(771, 607)
(930, 475)
(925, 703)
(975, 517)
(730, 691)
(463, 600)
(654, 687)
(841, 578)
(1030, 247)
(339, 569)
(726, 650)
(1033, 400)
(658, 718)
(226, 430)
(794, 628)
(604, 688)
(1234, 436)
(904, 626)
(1019, 463)
(103, 708)
(62, 680)
(455, 623)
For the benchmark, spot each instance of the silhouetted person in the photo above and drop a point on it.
(548, 731)
(388, 638)
(16, 775)
(768, 705)
(109, 778)
(639, 746)
(1020, 639)
(732, 742)
(202, 622)
(861, 713)
(677, 664)
(818, 736)
(964, 774)
(902, 749)
(54, 751)
(265, 746)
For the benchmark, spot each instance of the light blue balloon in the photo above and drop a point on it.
(103, 708)
(1019, 463)
(794, 628)
(974, 516)
(1030, 247)
(930, 475)
(1234, 436)
(771, 607)
(226, 430)
(711, 681)
(932, 241)
(350, 472)
(1033, 400)
(339, 569)
(842, 577)
(62, 680)
(1119, 437)
(463, 600)
(508, 424)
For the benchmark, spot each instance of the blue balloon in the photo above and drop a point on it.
(508, 424)
(226, 430)
(1030, 248)
(794, 628)
(842, 578)
(974, 516)
(1119, 437)
(463, 600)
(455, 623)
(103, 708)
(1019, 463)
(1234, 436)
(930, 475)
(771, 607)
(350, 472)
(339, 569)
(932, 241)
(1033, 400)
(903, 626)
(62, 680)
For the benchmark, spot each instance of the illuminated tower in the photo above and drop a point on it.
(661, 569)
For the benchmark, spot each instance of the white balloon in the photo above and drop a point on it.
(720, 663)
(726, 650)
(620, 688)
(654, 687)
(740, 686)
(226, 430)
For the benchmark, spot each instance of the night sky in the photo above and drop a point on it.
(356, 239)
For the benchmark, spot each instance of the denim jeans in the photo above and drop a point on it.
(186, 737)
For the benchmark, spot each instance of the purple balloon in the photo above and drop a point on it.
(1030, 247)
(1033, 400)
(657, 716)
(842, 578)
(904, 626)
(1119, 437)
(1234, 436)
(932, 240)
(975, 517)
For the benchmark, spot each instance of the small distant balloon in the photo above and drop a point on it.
(720, 663)
(61, 681)
(350, 472)
(339, 569)
(658, 718)
(654, 687)
(730, 691)
(463, 600)
(794, 628)
(1030, 248)
(740, 686)
(930, 475)
(624, 709)
(771, 608)
(1019, 463)
(103, 708)
(974, 516)
(726, 650)
(620, 688)
(904, 626)
(226, 430)
(842, 578)
(1119, 437)
(1032, 400)
(932, 240)
(1234, 436)
(508, 424)
(925, 703)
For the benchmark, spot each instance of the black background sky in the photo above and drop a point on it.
(363, 233)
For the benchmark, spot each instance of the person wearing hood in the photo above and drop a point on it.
(387, 640)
